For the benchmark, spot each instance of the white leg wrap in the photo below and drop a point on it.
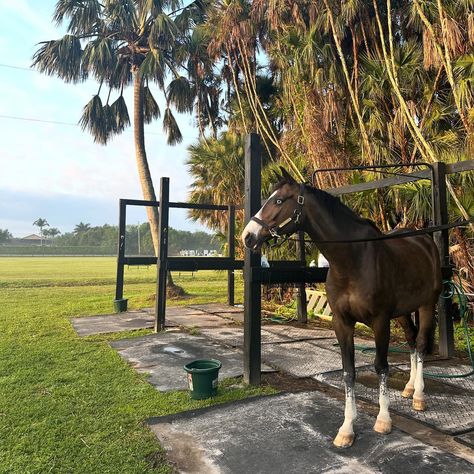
(384, 400)
(419, 396)
(350, 412)
(410, 386)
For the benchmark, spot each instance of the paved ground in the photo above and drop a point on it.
(291, 433)
(303, 438)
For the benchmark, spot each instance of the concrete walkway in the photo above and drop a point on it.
(290, 432)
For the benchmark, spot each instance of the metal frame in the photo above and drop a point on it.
(163, 261)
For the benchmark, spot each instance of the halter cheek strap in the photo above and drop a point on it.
(295, 218)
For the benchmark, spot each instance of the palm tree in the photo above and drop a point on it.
(81, 228)
(52, 232)
(121, 43)
(41, 223)
(5, 236)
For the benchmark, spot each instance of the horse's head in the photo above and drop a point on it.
(280, 215)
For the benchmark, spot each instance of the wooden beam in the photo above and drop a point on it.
(459, 167)
(252, 289)
(162, 270)
(380, 183)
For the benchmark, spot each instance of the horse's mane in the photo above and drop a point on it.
(333, 203)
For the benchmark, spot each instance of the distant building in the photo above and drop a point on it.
(31, 239)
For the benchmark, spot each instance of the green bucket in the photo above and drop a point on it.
(203, 378)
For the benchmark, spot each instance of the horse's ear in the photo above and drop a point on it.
(287, 175)
(277, 176)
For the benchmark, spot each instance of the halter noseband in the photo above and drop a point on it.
(295, 218)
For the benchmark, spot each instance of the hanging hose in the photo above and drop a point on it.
(457, 290)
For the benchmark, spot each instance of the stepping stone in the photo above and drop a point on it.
(163, 356)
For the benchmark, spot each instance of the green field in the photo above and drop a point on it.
(70, 404)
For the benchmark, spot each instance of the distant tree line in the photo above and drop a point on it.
(137, 241)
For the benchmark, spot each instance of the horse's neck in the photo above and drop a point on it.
(328, 221)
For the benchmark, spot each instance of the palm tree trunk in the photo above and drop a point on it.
(142, 162)
(140, 155)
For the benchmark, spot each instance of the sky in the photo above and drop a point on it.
(56, 171)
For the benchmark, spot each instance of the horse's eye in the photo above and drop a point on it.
(279, 201)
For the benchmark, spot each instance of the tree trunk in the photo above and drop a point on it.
(140, 154)
(142, 165)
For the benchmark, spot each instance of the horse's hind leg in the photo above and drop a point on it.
(345, 336)
(410, 334)
(423, 345)
(381, 328)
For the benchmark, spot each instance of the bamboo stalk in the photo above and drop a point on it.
(363, 131)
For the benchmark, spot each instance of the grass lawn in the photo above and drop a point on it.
(70, 404)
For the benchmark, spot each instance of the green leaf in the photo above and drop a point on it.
(84, 15)
(95, 120)
(163, 32)
(120, 114)
(170, 126)
(181, 94)
(61, 57)
(99, 57)
(151, 110)
(153, 67)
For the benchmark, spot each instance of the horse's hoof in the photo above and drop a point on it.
(344, 440)
(419, 404)
(408, 392)
(382, 426)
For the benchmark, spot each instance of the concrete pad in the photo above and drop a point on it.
(304, 359)
(291, 433)
(234, 336)
(163, 356)
(467, 439)
(237, 317)
(300, 334)
(201, 320)
(449, 407)
(128, 321)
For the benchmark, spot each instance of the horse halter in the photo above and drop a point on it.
(274, 231)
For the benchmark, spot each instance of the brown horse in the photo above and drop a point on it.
(369, 281)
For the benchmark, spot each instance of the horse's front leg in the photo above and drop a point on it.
(345, 336)
(381, 328)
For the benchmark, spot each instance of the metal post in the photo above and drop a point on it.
(120, 304)
(252, 290)
(302, 309)
(231, 245)
(162, 257)
(440, 217)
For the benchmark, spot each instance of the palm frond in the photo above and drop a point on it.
(163, 32)
(151, 110)
(121, 15)
(99, 57)
(61, 57)
(84, 15)
(180, 93)
(95, 120)
(170, 126)
(153, 67)
(120, 114)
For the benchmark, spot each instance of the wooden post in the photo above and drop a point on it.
(120, 303)
(440, 217)
(162, 270)
(301, 287)
(231, 245)
(252, 290)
